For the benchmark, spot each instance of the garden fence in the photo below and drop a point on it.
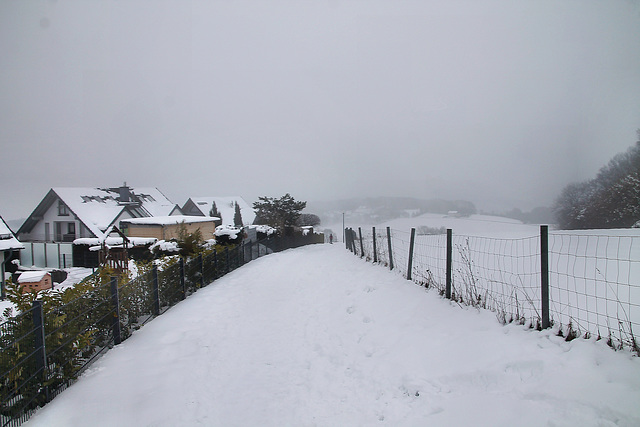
(583, 284)
(45, 348)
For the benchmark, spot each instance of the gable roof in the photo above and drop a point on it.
(7, 240)
(226, 207)
(32, 276)
(98, 208)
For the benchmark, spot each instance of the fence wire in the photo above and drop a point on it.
(595, 285)
(499, 274)
(594, 278)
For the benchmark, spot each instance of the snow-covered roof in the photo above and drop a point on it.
(169, 220)
(32, 276)
(226, 207)
(98, 208)
(7, 240)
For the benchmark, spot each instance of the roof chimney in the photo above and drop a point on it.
(125, 193)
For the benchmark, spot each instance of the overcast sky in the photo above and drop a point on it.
(499, 102)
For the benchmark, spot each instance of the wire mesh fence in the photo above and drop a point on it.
(595, 285)
(593, 278)
(49, 344)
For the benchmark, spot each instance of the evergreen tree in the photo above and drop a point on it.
(214, 213)
(237, 217)
(308, 220)
(610, 200)
(278, 213)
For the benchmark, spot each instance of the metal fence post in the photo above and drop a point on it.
(40, 350)
(155, 291)
(361, 243)
(116, 311)
(345, 238)
(390, 251)
(449, 263)
(183, 282)
(215, 264)
(544, 271)
(411, 243)
(375, 248)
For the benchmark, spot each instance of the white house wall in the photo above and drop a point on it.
(50, 217)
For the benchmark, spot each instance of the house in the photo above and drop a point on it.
(66, 214)
(167, 227)
(33, 281)
(201, 206)
(9, 247)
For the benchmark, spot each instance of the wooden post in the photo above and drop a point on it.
(411, 243)
(449, 263)
(375, 248)
(544, 271)
(390, 251)
(116, 311)
(361, 242)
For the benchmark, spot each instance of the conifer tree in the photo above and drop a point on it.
(237, 217)
(278, 213)
(214, 212)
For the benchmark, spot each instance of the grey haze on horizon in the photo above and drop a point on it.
(499, 102)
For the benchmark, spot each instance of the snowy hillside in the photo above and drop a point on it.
(316, 336)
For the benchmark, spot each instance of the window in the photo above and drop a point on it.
(62, 209)
(62, 235)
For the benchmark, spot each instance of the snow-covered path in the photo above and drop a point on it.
(315, 336)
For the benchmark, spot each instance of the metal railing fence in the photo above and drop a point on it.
(46, 347)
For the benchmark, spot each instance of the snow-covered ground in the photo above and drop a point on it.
(316, 336)
(594, 274)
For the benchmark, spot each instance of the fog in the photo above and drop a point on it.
(501, 103)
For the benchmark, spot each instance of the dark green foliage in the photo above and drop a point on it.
(215, 213)
(308, 220)
(189, 243)
(278, 213)
(237, 216)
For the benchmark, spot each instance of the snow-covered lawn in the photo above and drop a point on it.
(316, 336)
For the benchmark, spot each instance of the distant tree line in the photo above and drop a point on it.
(610, 200)
(538, 215)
